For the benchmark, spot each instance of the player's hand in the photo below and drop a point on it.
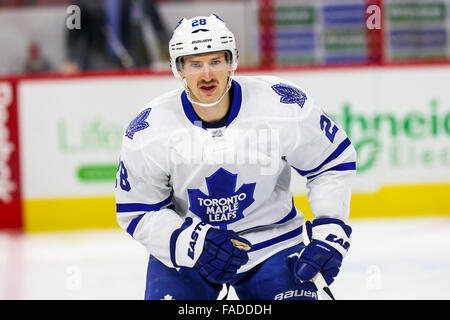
(330, 240)
(220, 258)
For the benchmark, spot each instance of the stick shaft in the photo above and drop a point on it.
(321, 284)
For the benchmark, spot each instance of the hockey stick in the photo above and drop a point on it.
(318, 281)
(321, 284)
(240, 245)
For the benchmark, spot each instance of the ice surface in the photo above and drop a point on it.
(405, 258)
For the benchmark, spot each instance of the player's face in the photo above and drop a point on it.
(206, 75)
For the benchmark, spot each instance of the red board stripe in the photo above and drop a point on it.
(10, 186)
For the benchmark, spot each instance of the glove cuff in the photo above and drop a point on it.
(333, 232)
(186, 243)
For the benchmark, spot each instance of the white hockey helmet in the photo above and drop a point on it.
(201, 35)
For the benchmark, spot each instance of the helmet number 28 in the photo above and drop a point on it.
(201, 22)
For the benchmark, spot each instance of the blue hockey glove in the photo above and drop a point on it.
(220, 259)
(330, 240)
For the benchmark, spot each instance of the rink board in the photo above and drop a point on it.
(398, 119)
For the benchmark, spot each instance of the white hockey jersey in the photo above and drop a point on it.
(177, 178)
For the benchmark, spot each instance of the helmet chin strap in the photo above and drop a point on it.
(207, 105)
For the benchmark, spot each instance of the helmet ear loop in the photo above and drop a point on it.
(230, 81)
(186, 87)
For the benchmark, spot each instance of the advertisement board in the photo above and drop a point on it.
(71, 130)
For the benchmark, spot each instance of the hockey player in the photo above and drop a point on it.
(204, 178)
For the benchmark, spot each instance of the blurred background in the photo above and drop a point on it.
(53, 35)
(74, 73)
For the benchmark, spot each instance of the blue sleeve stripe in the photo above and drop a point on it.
(174, 237)
(340, 167)
(291, 215)
(133, 224)
(133, 207)
(336, 153)
(289, 235)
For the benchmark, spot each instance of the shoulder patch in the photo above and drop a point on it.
(138, 123)
(290, 94)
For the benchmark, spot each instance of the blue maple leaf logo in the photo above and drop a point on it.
(290, 94)
(224, 204)
(138, 123)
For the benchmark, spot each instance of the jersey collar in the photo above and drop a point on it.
(234, 110)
